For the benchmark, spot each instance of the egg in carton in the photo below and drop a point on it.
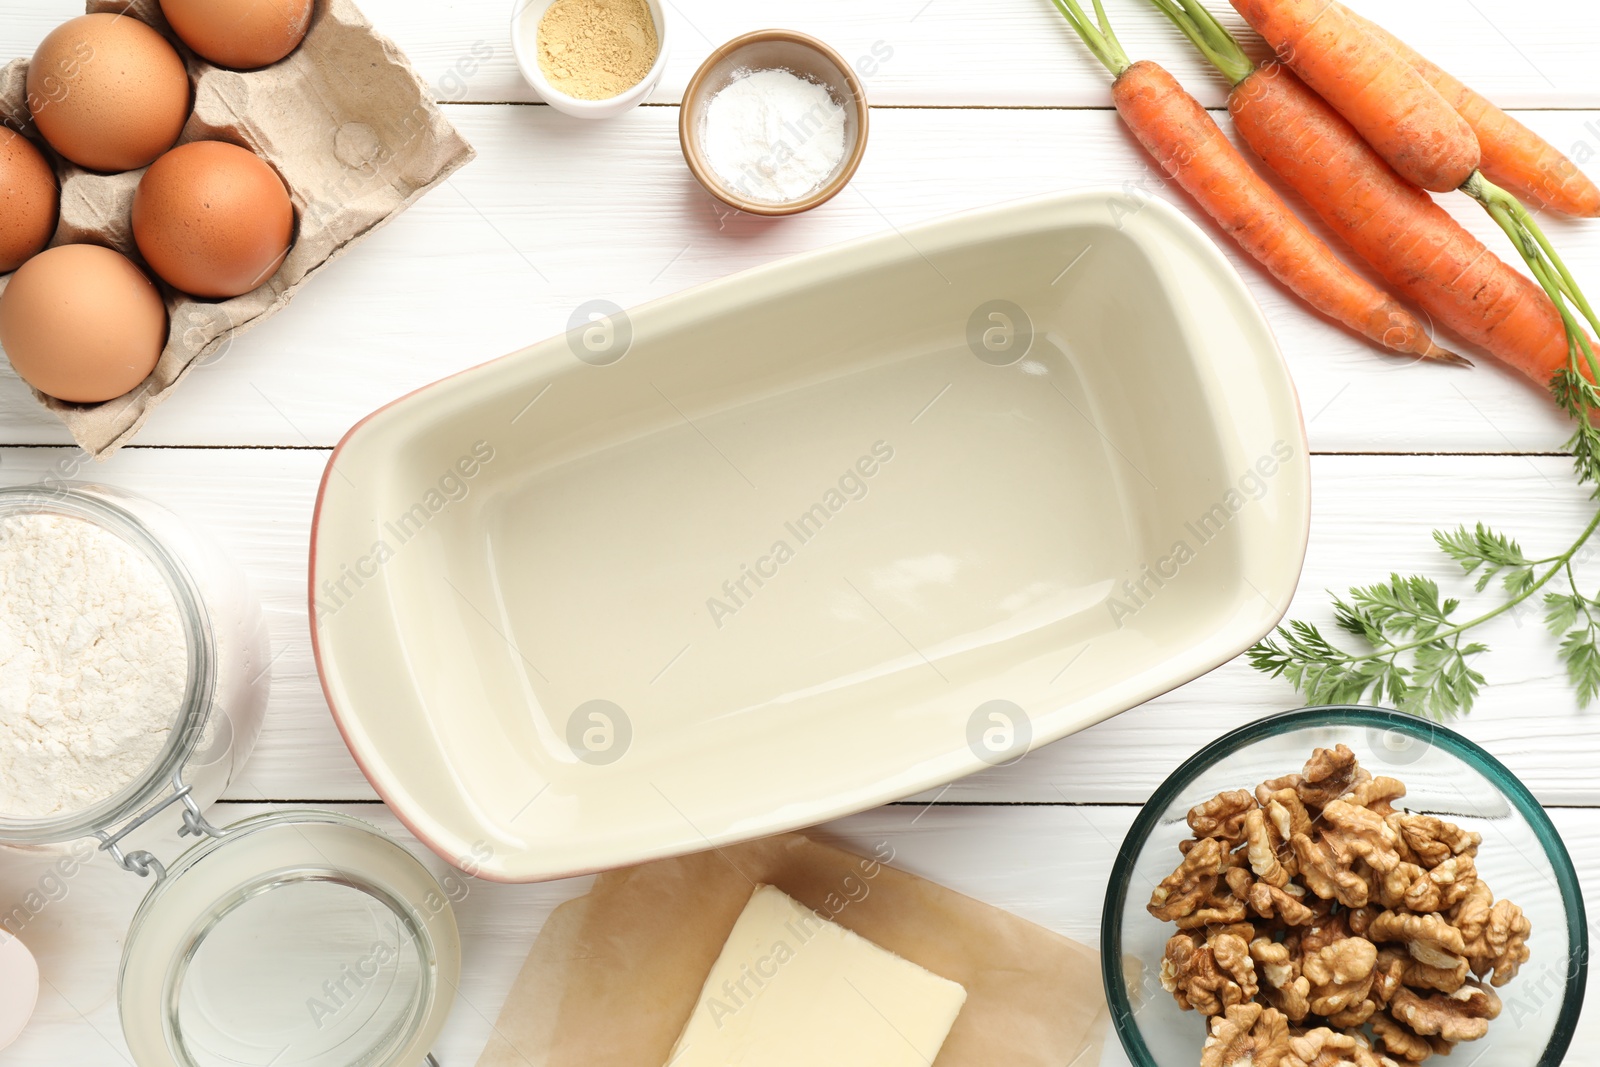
(344, 120)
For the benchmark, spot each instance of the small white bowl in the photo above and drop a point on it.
(19, 987)
(525, 18)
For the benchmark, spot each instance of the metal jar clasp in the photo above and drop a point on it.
(141, 862)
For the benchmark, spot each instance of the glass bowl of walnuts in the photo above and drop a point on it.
(1343, 886)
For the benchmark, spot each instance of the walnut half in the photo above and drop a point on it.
(1341, 974)
(1460, 1016)
(1247, 1036)
(1208, 976)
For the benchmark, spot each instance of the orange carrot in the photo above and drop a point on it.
(1193, 151)
(1392, 224)
(1416, 130)
(1395, 109)
(1514, 157)
(1396, 227)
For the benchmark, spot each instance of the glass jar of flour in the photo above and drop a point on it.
(134, 672)
(134, 660)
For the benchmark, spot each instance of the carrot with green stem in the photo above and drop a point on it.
(1416, 130)
(1514, 157)
(1192, 150)
(1419, 249)
(1415, 653)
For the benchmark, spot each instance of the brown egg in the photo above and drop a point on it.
(242, 34)
(29, 200)
(108, 92)
(212, 219)
(82, 324)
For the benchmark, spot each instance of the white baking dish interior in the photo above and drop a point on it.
(976, 533)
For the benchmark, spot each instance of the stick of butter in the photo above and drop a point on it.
(792, 989)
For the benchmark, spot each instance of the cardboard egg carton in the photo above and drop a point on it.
(346, 122)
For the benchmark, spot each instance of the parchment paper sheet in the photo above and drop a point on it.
(347, 123)
(615, 974)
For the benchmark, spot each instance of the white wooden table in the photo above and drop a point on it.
(977, 101)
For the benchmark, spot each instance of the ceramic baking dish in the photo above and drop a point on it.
(809, 539)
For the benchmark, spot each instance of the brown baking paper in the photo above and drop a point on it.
(347, 123)
(616, 974)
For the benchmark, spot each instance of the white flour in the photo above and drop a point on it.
(93, 664)
(773, 136)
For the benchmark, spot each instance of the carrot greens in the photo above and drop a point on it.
(1412, 648)
(1416, 655)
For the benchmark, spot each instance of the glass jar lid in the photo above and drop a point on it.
(293, 939)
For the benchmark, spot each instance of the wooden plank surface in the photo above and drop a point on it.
(556, 212)
(965, 53)
(1372, 515)
(1046, 864)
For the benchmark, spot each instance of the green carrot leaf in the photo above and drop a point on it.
(1415, 655)
(1561, 611)
(1354, 620)
(1582, 657)
(1489, 553)
(1442, 683)
(1407, 605)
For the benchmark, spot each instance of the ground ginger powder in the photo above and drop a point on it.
(597, 49)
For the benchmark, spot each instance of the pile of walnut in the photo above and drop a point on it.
(1320, 927)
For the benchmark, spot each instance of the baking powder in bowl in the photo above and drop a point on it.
(93, 664)
(773, 136)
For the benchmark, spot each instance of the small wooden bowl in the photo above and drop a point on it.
(768, 50)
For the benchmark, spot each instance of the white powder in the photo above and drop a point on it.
(93, 664)
(773, 136)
